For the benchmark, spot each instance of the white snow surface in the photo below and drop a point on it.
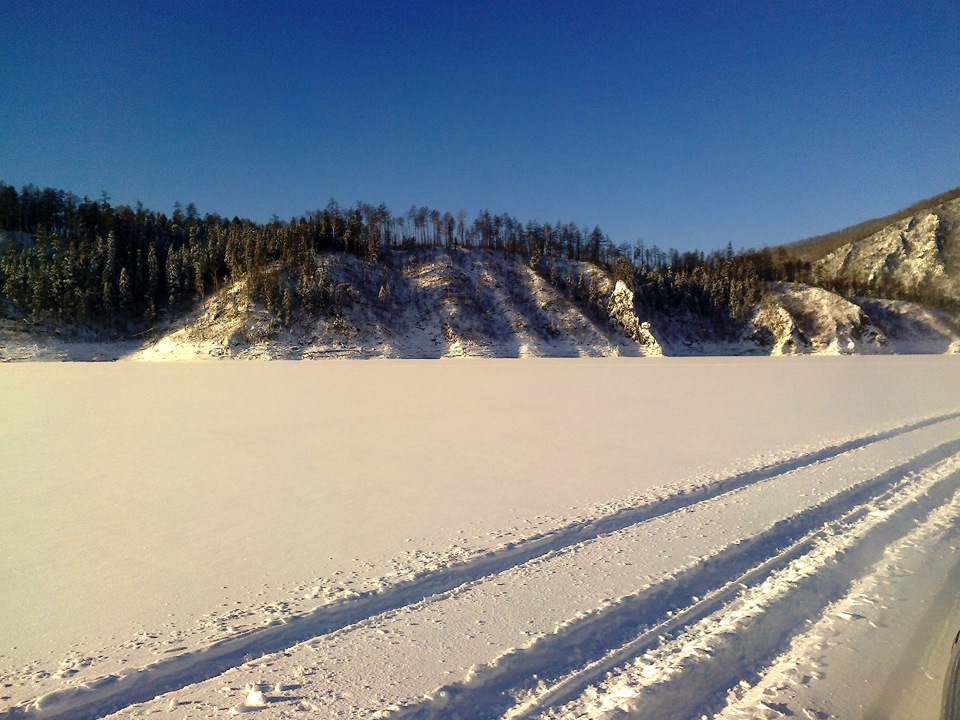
(673, 537)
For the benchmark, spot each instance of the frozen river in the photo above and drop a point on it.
(155, 513)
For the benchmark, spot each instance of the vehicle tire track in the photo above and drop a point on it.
(588, 648)
(767, 622)
(105, 695)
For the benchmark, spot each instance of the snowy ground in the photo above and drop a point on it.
(750, 537)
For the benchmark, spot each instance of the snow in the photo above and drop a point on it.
(919, 251)
(908, 604)
(811, 319)
(418, 538)
(436, 303)
(912, 328)
(21, 342)
(622, 310)
(441, 304)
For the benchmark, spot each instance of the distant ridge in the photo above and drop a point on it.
(814, 248)
(99, 282)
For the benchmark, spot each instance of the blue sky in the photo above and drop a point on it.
(686, 124)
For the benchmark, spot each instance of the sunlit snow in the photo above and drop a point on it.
(538, 538)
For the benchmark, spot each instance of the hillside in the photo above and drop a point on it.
(814, 248)
(363, 283)
(433, 304)
(437, 303)
(483, 304)
(918, 254)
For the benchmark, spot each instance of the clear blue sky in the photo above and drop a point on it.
(687, 124)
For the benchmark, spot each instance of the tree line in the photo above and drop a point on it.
(782, 265)
(86, 261)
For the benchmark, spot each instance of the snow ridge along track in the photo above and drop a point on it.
(101, 697)
(584, 651)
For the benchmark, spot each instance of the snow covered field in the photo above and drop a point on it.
(666, 538)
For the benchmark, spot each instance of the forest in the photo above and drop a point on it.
(88, 263)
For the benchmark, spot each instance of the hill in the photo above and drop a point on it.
(814, 248)
(440, 303)
(96, 282)
(437, 303)
(429, 304)
(917, 256)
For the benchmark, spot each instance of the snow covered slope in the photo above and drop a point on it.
(553, 538)
(797, 319)
(921, 252)
(804, 319)
(21, 342)
(438, 304)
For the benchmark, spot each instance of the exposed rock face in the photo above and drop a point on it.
(804, 319)
(777, 328)
(622, 310)
(920, 253)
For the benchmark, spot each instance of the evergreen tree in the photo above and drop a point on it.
(174, 276)
(153, 275)
(125, 290)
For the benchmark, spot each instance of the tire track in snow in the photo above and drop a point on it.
(744, 635)
(109, 694)
(909, 593)
(587, 649)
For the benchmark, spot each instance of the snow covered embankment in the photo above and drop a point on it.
(681, 599)
(435, 304)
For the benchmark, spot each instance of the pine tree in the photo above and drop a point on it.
(153, 276)
(111, 274)
(174, 277)
(287, 305)
(107, 298)
(125, 290)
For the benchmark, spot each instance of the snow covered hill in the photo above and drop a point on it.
(918, 253)
(436, 304)
(796, 319)
(439, 303)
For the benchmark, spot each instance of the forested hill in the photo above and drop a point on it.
(372, 282)
(92, 262)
